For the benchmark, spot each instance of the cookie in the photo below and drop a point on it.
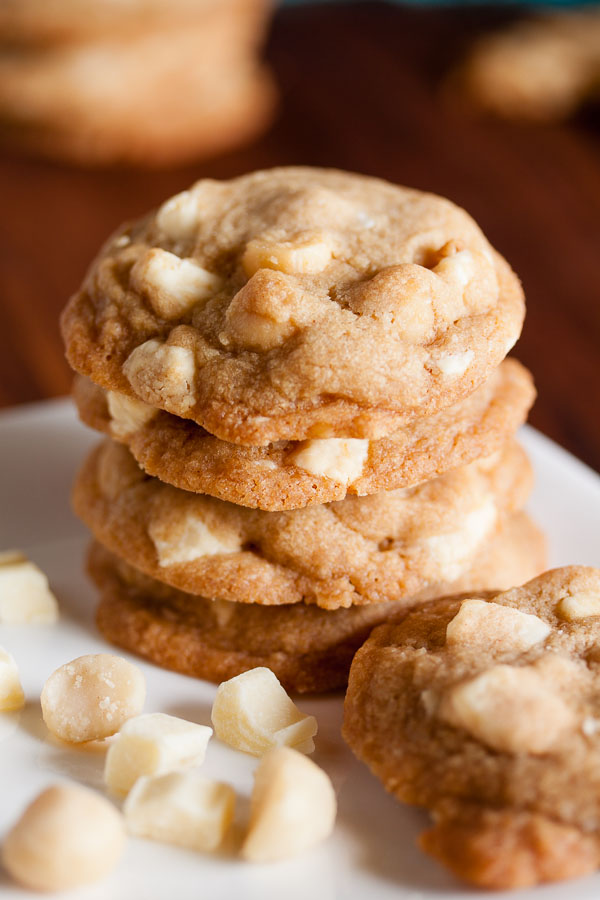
(354, 551)
(539, 69)
(38, 22)
(190, 92)
(290, 475)
(296, 303)
(487, 712)
(308, 648)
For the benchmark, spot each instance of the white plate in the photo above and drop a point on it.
(372, 853)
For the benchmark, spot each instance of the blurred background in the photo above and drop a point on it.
(107, 108)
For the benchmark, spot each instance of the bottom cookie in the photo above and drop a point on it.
(486, 711)
(308, 648)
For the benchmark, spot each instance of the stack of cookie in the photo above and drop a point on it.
(310, 421)
(149, 82)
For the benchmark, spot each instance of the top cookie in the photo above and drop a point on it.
(487, 711)
(296, 303)
(50, 21)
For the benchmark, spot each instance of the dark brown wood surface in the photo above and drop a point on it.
(360, 90)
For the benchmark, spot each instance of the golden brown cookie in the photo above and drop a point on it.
(539, 69)
(296, 303)
(308, 648)
(486, 710)
(357, 550)
(290, 475)
(31, 22)
(190, 90)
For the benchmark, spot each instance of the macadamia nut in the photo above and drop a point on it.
(303, 255)
(293, 807)
(89, 698)
(68, 836)
(253, 713)
(181, 808)
(154, 744)
(25, 598)
(11, 692)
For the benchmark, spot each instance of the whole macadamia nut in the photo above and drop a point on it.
(68, 836)
(91, 697)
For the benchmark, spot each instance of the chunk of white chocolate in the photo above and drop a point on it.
(191, 539)
(253, 713)
(181, 808)
(90, 698)
(303, 256)
(453, 365)
(162, 374)
(511, 709)
(25, 597)
(127, 414)
(177, 218)
(490, 625)
(293, 807)
(579, 606)
(153, 744)
(446, 555)
(341, 459)
(11, 692)
(458, 269)
(172, 285)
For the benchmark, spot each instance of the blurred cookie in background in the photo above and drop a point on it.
(540, 69)
(182, 82)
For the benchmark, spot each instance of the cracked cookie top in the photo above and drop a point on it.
(296, 303)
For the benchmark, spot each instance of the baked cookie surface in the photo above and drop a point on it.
(296, 303)
(539, 69)
(354, 551)
(290, 475)
(39, 22)
(487, 711)
(192, 90)
(308, 648)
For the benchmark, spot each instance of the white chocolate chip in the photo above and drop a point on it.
(293, 807)
(181, 808)
(490, 625)
(510, 709)
(579, 606)
(172, 285)
(25, 597)
(341, 459)
(446, 555)
(177, 218)
(191, 540)
(253, 713)
(91, 697)
(67, 837)
(153, 744)
(452, 365)
(11, 692)
(304, 256)
(590, 726)
(458, 269)
(127, 414)
(162, 374)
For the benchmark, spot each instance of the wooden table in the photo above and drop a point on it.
(360, 90)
